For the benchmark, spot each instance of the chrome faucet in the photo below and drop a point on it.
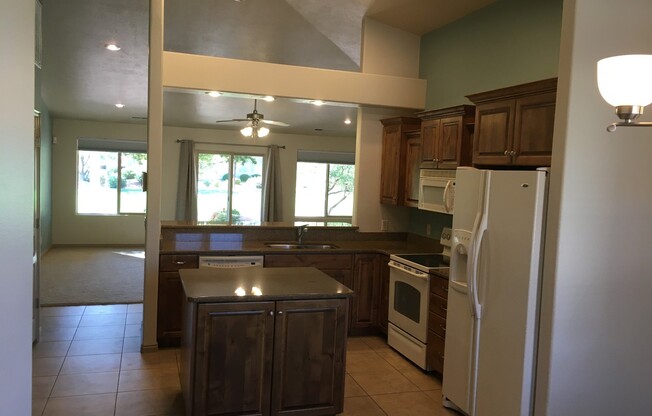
(301, 230)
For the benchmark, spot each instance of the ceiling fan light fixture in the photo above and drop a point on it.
(247, 131)
(112, 47)
(347, 121)
(213, 94)
(262, 131)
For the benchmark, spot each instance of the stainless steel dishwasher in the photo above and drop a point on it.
(230, 262)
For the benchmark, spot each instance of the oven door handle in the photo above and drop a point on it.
(421, 275)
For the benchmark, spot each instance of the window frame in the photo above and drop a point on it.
(119, 152)
(325, 219)
(232, 154)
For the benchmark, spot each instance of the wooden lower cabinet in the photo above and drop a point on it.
(437, 322)
(366, 285)
(265, 358)
(170, 297)
(383, 302)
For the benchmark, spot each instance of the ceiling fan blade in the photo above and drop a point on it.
(275, 123)
(232, 120)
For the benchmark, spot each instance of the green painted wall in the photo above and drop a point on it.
(507, 43)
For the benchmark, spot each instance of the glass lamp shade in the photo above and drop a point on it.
(247, 131)
(263, 131)
(626, 80)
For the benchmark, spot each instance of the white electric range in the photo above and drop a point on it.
(409, 292)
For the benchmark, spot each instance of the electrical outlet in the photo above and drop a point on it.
(428, 229)
(384, 225)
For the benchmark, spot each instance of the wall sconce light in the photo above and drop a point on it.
(625, 82)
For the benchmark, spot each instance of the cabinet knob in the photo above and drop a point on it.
(280, 312)
(179, 262)
(506, 152)
(512, 153)
(271, 313)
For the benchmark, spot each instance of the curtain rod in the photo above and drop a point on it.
(232, 144)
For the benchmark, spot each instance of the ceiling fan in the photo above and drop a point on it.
(254, 119)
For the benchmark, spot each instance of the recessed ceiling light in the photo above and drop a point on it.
(268, 98)
(213, 94)
(112, 47)
(317, 103)
(119, 105)
(347, 121)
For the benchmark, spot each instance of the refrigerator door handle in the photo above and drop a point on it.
(477, 306)
(474, 247)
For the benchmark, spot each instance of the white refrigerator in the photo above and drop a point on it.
(493, 296)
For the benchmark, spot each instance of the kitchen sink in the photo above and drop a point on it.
(290, 246)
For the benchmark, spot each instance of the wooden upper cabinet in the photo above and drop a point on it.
(392, 176)
(446, 137)
(514, 125)
(412, 162)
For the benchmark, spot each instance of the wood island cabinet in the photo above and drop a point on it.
(393, 162)
(269, 358)
(514, 125)
(446, 137)
(360, 272)
(437, 322)
(170, 297)
(283, 355)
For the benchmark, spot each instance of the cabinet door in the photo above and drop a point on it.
(533, 127)
(390, 165)
(383, 303)
(494, 132)
(233, 362)
(170, 300)
(170, 297)
(309, 357)
(412, 162)
(429, 139)
(366, 279)
(449, 147)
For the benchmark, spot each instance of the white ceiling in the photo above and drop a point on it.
(82, 80)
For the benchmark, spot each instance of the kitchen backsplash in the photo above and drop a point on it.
(423, 221)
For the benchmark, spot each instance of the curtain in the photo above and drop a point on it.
(272, 198)
(187, 185)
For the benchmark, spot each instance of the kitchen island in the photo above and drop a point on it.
(263, 341)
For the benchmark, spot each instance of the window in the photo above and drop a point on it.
(110, 182)
(324, 191)
(229, 188)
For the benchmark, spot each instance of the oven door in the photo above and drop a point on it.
(408, 300)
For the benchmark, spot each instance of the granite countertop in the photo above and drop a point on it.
(259, 284)
(259, 247)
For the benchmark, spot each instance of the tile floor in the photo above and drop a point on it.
(88, 364)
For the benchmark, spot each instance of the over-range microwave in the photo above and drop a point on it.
(437, 190)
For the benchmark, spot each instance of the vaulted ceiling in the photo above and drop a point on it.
(82, 80)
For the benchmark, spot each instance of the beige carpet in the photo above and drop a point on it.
(91, 276)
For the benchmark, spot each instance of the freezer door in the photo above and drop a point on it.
(458, 377)
(509, 280)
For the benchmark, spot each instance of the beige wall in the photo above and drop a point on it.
(70, 228)
(67, 226)
(595, 335)
(16, 208)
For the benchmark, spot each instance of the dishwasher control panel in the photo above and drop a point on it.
(230, 262)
